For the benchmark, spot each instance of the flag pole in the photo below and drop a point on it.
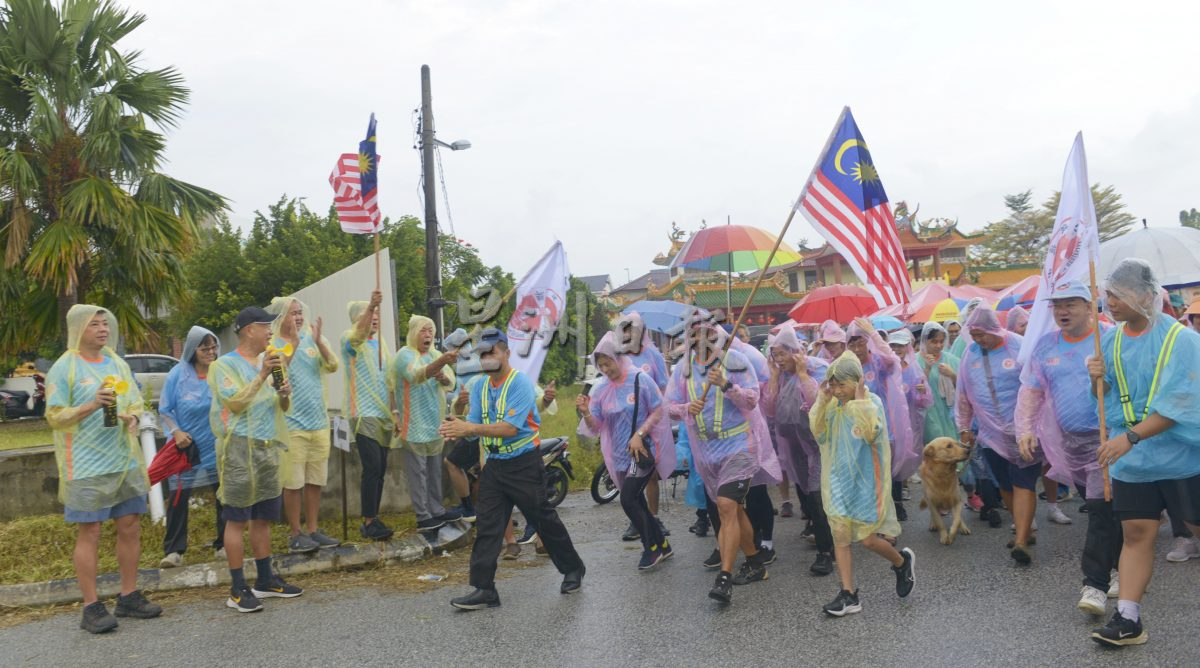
(379, 348)
(1100, 382)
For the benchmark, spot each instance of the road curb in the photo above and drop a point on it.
(408, 549)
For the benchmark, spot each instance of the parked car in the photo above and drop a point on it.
(150, 372)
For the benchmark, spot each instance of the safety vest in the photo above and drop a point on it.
(1164, 355)
(718, 415)
(496, 444)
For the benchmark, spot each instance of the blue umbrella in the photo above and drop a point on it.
(886, 322)
(659, 316)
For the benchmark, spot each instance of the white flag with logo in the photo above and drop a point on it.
(1074, 242)
(541, 303)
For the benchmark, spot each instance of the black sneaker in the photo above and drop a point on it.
(275, 588)
(992, 516)
(528, 537)
(906, 576)
(302, 544)
(713, 560)
(431, 524)
(823, 565)
(808, 534)
(665, 552)
(662, 527)
(631, 534)
(376, 530)
(1120, 632)
(243, 600)
(466, 514)
(700, 528)
(136, 605)
(323, 539)
(649, 559)
(751, 571)
(1021, 555)
(766, 555)
(901, 513)
(573, 581)
(722, 590)
(846, 603)
(451, 515)
(96, 618)
(477, 600)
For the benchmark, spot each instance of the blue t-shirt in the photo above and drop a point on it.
(258, 420)
(520, 411)
(92, 449)
(1064, 364)
(308, 411)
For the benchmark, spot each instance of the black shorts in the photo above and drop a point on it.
(269, 510)
(1009, 475)
(735, 490)
(1147, 500)
(464, 454)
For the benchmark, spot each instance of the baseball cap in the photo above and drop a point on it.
(488, 339)
(1069, 289)
(900, 337)
(252, 315)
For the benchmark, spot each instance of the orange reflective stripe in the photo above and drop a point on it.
(67, 452)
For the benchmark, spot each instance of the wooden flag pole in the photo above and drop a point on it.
(379, 348)
(1100, 382)
(345, 522)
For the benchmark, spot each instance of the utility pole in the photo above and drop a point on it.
(433, 262)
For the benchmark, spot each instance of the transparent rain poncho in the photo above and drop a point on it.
(964, 337)
(184, 404)
(420, 400)
(855, 459)
(612, 406)
(832, 332)
(988, 383)
(731, 441)
(1016, 317)
(939, 416)
(251, 433)
(1175, 453)
(884, 378)
(647, 356)
(916, 392)
(98, 466)
(306, 368)
(367, 386)
(786, 400)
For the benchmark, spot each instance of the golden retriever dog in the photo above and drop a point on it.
(939, 479)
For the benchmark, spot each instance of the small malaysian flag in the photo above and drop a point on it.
(845, 202)
(355, 187)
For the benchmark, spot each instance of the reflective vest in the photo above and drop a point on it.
(718, 415)
(496, 444)
(1164, 355)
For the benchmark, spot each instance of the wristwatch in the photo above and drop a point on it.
(1133, 437)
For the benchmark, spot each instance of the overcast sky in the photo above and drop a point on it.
(600, 123)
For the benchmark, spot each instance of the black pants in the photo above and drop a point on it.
(374, 465)
(814, 507)
(176, 538)
(633, 502)
(1179, 528)
(759, 509)
(989, 494)
(520, 481)
(1102, 546)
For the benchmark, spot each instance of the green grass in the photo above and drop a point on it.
(26, 434)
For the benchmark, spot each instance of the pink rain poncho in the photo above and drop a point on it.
(830, 331)
(1016, 317)
(729, 439)
(988, 383)
(645, 355)
(916, 390)
(786, 400)
(883, 376)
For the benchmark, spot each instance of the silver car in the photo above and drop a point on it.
(150, 372)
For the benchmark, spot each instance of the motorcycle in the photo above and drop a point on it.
(557, 461)
(19, 403)
(604, 488)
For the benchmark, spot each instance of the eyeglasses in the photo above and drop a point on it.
(207, 349)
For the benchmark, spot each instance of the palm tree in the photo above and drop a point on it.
(84, 212)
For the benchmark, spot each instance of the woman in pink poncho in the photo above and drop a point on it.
(626, 411)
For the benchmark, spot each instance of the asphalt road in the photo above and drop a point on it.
(972, 606)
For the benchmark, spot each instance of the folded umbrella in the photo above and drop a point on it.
(171, 461)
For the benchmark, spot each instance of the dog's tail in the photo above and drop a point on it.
(923, 505)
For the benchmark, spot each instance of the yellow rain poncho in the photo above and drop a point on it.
(856, 466)
(367, 385)
(251, 434)
(421, 401)
(306, 369)
(98, 466)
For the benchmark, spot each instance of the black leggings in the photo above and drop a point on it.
(812, 506)
(374, 465)
(633, 502)
(759, 509)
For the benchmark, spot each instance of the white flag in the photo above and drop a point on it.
(541, 303)
(1074, 242)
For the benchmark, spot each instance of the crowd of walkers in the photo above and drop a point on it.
(841, 417)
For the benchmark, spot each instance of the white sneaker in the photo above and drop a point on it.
(1114, 586)
(1092, 601)
(172, 560)
(1182, 549)
(1056, 515)
(220, 554)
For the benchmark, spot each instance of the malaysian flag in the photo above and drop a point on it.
(844, 200)
(355, 186)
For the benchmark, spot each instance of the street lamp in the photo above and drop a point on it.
(460, 145)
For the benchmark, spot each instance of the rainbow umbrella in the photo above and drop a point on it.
(732, 248)
(1021, 294)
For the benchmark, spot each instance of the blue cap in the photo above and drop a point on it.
(1071, 289)
(489, 337)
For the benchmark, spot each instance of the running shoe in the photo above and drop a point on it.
(275, 588)
(1021, 555)
(243, 600)
(97, 619)
(722, 589)
(974, 502)
(665, 552)
(302, 544)
(808, 534)
(430, 524)
(766, 555)
(992, 516)
(529, 536)
(511, 551)
(906, 576)
(172, 560)
(468, 514)
(649, 559)
(135, 604)
(477, 600)
(323, 539)
(1092, 601)
(451, 515)
(376, 530)
(1119, 632)
(823, 565)
(1114, 586)
(1057, 516)
(700, 528)
(751, 571)
(631, 534)
(219, 554)
(1182, 549)
(846, 603)
(786, 509)
(713, 560)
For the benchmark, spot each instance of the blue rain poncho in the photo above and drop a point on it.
(184, 405)
(988, 384)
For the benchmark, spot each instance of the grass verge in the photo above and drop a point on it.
(26, 433)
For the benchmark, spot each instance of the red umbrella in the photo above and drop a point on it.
(170, 461)
(840, 303)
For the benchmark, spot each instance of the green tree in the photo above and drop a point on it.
(1190, 218)
(1112, 220)
(1021, 237)
(84, 212)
